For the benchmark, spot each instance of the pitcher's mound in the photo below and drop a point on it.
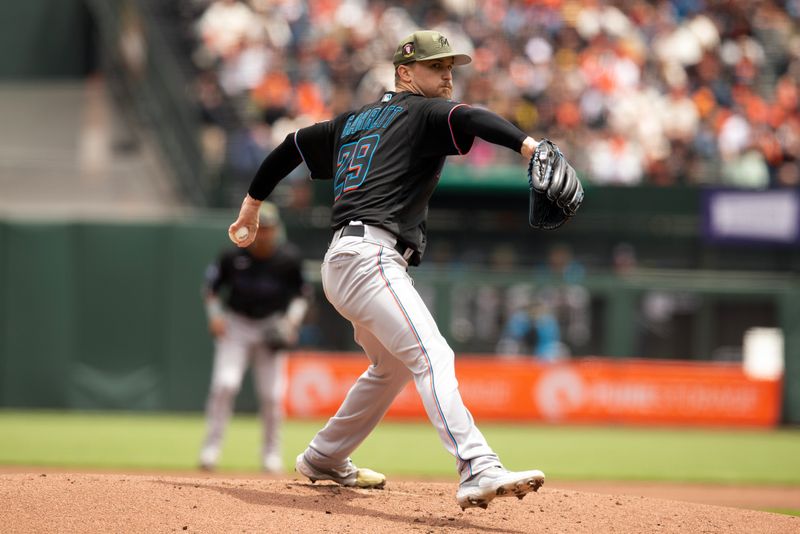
(64, 502)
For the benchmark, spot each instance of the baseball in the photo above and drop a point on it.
(242, 233)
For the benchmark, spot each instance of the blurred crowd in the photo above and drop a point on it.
(635, 92)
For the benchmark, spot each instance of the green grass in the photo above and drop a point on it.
(138, 441)
(784, 511)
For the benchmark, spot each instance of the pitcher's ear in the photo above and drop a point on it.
(403, 73)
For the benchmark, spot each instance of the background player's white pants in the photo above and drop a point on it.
(240, 346)
(367, 282)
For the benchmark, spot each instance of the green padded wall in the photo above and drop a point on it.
(109, 315)
(120, 325)
(45, 39)
(192, 246)
(38, 319)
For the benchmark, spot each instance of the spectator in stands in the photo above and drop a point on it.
(224, 25)
(532, 329)
(563, 277)
(623, 260)
(669, 89)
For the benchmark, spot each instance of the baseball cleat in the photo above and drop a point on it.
(208, 458)
(351, 476)
(272, 464)
(481, 488)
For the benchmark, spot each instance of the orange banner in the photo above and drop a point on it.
(590, 390)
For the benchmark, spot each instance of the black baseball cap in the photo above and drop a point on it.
(425, 45)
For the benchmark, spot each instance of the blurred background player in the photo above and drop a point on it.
(255, 304)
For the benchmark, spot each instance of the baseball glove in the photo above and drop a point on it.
(278, 333)
(555, 191)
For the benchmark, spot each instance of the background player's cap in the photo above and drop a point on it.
(268, 215)
(424, 45)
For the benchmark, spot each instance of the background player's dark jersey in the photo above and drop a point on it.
(257, 287)
(387, 158)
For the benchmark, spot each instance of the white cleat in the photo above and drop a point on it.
(272, 464)
(351, 476)
(480, 489)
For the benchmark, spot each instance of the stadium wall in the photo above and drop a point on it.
(588, 390)
(45, 39)
(108, 315)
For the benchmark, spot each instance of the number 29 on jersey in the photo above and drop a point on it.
(352, 164)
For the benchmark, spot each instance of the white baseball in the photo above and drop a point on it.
(242, 233)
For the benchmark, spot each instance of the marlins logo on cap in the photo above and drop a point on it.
(425, 45)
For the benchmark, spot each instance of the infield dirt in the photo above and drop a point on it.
(114, 502)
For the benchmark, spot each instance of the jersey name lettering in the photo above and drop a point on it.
(374, 118)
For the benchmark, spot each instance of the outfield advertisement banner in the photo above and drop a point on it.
(752, 216)
(587, 390)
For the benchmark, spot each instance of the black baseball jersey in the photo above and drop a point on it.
(257, 287)
(386, 162)
(385, 159)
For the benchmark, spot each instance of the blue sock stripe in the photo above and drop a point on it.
(424, 352)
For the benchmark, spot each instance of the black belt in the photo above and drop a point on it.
(408, 253)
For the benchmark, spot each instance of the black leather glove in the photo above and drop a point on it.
(555, 191)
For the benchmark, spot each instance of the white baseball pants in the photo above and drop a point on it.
(366, 280)
(242, 345)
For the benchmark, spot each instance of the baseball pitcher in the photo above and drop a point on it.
(384, 162)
